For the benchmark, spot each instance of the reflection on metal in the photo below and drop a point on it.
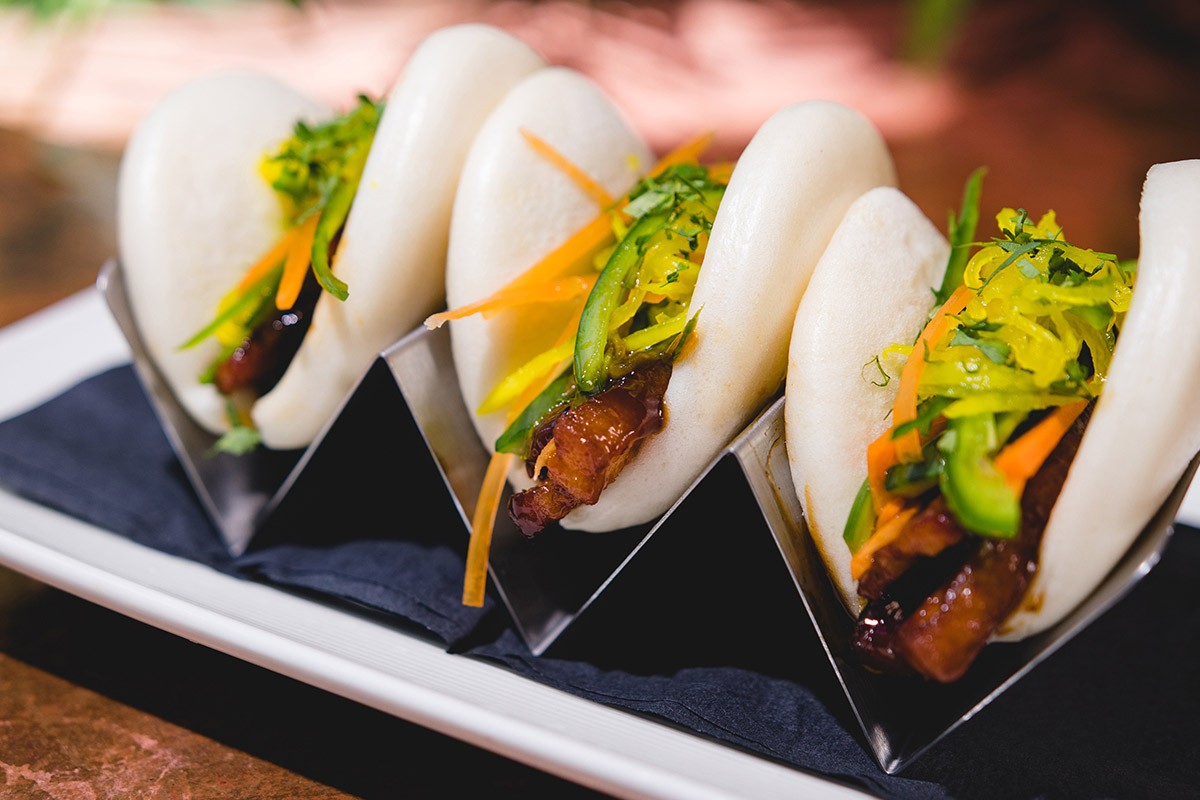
(410, 396)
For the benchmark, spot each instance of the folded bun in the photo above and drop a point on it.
(513, 207)
(788, 192)
(1141, 434)
(193, 213)
(872, 288)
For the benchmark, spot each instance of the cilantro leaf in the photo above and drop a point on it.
(996, 351)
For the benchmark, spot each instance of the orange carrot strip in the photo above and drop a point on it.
(1021, 459)
(721, 172)
(482, 522)
(489, 494)
(266, 262)
(688, 151)
(904, 408)
(884, 535)
(296, 267)
(587, 183)
(553, 291)
(881, 454)
(583, 243)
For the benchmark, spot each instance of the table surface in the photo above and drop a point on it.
(1066, 111)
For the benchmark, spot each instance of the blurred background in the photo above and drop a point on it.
(1067, 104)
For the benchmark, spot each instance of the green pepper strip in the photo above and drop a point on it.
(515, 438)
(861, 522)
(976, 492)
(592, 339)
(333, 216)
(911, 480)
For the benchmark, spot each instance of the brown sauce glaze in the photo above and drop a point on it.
(260, 361)
(941, 635)
(592, 443)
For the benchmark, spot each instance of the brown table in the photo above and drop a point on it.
(1068, 108)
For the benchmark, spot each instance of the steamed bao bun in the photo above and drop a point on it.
(513, 208)
(195, 213)
(859, 302)
(786, 195)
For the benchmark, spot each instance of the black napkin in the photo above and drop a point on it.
(708, 634)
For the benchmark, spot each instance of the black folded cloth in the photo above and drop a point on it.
(706, 634)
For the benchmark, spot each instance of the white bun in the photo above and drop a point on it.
(1144, 429)
(513, 207)
(193, 212)
(393, 248)
(1145, 420)
(872, 288)
(789, 190)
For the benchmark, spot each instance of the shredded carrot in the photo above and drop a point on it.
(475, 579)
(587, 183)
(482, 522)
(487, 504)
(904, 408)
(1021, 459)
(884, 535)
(688, 151)
(267, 262)
(581, 244)
(881, 454)
(552, 291)
(299, 257)
(721, 172)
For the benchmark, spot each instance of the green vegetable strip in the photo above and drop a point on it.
(976, 492)
(333, 216)
(592, 339)
(861, 522)
(647, 337)
(515, 438)
(261, 289)
(962, 234)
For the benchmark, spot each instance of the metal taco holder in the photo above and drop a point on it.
(547, 587)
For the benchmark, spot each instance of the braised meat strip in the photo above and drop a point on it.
(945, 630)
(927, 534)
(587, 446)
(260, 361)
